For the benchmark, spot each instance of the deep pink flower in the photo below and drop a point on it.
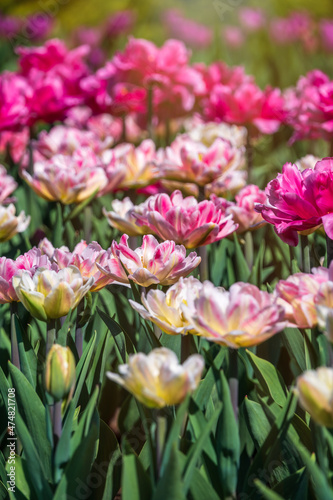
(326, 33)
(14, 94)
(300, 201)
(243, 211)
(310, 107)
(186, 221)
(152, 263)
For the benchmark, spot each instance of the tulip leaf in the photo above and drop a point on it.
(135, 483)
(170, 485)
(82, 368)
(266, 492)
(58, 227)
(318, 478)
(269, 378)
(227, 442)
(28, 358)
(63, 449)
(295, 486)
(197, 447)
(78, 208)
(257, 422)
(241, 267)
(294, 343)
(86, 421)
(174, 433)
(22, 486)
(32, 410)
(123, 343)
(96, 372)
(107, 463)
(76, 473)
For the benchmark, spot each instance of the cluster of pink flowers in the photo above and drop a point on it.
(309, 107)
(194, 34)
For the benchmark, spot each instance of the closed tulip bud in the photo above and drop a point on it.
(314, 389)
(59, 374)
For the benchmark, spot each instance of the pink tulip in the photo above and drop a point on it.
(310, 107)
(190, 161)
(233, 36)
(86, 257)
(122, 217)
(252, 19)
(186, 221)
(243, 211)
(300, 201)
(192, 33)
(7, 186)
(68, 179)
(14, 143)
(119, 23)
(152, 263)
(14, 95)
(326, 34)
(30, 261)
(242, 317)
(297, 295)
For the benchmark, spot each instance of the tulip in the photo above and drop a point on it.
(67, 179)
(59, 375)
(164, 309)
(121, 217)
(157, 379)
(7, 185)
(314, 389)
(323, 302)
(243, 211)
(298, 202)
(297, 295)
(152, 263)
(85, 257)
(50, 294)
(186, 221)
(8, 269)
(190, 161)
(11, 224)
(242, 317)
(207, 133)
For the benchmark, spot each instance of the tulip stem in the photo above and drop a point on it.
(185, 347)
(150, 112)
(149, 440)
(78, 330)
(203, 266)
(233, 380)
(305, 254)
(50, 335)
(87, 223)
(329, 249)
(249, 249)
(57, 422)
(160, 434)
(15, 357)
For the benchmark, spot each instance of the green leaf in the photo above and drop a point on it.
(82, 369)
(241, 268)
(78, 208)
(32, 410)
(269, 378)
(170, 485)
(294, 343)
(108, 463)
(28, 358)
(318, 479)
(197, 447)
(22, 486)
(266, 492)
(227, 443)
(122, 341)
(135, 483)
(257, 422)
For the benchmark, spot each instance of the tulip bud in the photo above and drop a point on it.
(314, 389)
(59, 376)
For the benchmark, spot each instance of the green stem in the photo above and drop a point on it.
(329, 249)
(150, 112)
(203, 266)
(15, 357)
(78, 330)
(305, 254)
(185, 347)
(149, 440)
(160, 434)
(57, 422)
(249, 249)
(87, 223)
(233, 380)
(50, 335)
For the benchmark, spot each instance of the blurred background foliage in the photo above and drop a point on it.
(70, 14)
